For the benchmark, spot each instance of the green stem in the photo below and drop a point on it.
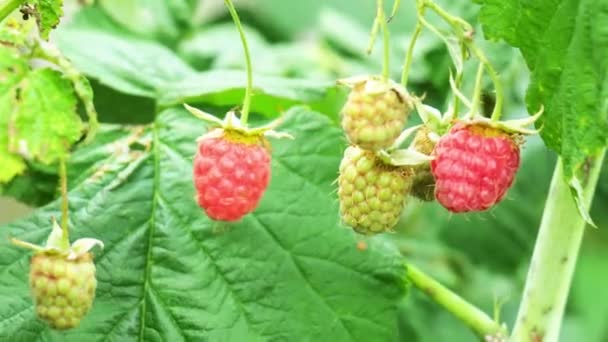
(410, 53)
(458, 83)
(476, 319)
(381, 17)
(63, 179)
(249, 89)
(459, 25)
(8, 6)
(396, 5)
(372, 37)
(497, 112)
(554, 258)
(476, 92)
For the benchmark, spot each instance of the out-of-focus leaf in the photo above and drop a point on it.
(130, 65)
(13, 69)
(227, 87)
(148, 18)
(44, 126)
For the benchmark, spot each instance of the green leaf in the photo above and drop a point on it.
(559, 41)
(227, 87)
(12, 70)
(45, 120)
(130, 65)
(49, 12)
(169, 273)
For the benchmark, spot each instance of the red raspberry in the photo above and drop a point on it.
(474, 166)
(231, 173)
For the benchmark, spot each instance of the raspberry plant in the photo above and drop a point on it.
(271, 256)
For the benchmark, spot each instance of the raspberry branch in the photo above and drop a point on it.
(554, 259)
(249, 88)
(472, 316)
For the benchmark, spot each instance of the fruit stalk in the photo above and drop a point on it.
(63, 178)
(469, 314)
(249, 88)
(554, 259)
(8, 6)
(381, 17)
(410, 53)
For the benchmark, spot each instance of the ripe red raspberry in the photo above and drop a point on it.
(231, 173)
(63, 289)
(474, 166)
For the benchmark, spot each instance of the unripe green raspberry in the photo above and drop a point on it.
(375, 113)
(63, 289)
(423, 186)
(372, 194)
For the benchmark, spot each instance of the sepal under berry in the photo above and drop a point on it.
(375, 112)
(232, 123)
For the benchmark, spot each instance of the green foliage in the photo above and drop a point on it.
(288, 271)
(170, 273)
(49, 14)
(559, 41)
(31, 128)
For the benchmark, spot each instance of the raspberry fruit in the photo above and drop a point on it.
(63, 289)
(474, 166)
(423, 185)
(375, 113)
(231, 173)
(372, 194)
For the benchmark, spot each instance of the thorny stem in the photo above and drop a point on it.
(410, 53)
(8, 6)
(554, 258)
(63, 178)
(249, 89)
(476, 319)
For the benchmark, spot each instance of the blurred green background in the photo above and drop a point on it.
(482, 256)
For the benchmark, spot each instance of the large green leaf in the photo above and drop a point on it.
(133, 66)
(227, 87)
(560, 40)
(286, 272)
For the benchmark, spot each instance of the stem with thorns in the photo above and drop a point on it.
(249, 89)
